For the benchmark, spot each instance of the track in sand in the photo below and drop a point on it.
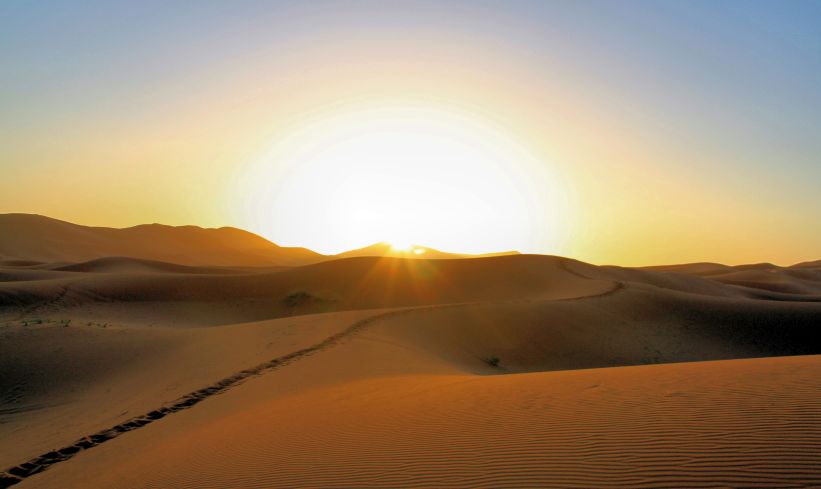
(18, 473)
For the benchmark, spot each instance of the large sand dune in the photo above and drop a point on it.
(742, 423)
(33, 240)
(385, 372)
(177, 299)
(29, 237)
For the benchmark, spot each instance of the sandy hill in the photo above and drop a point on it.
(123, 288)
(808, 264)
(38, 238)
(31, 240)
(803, 278)
(742, 423)
(187, 298)
(116, 264)
(509, 371)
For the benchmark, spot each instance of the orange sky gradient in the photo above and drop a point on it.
(587, 151)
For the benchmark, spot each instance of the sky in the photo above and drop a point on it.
(620, 132)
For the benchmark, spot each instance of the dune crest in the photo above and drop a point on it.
(31, 240)
(31, 237)
(498, 371)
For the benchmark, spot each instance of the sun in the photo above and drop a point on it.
(401, 246)
(408, 174)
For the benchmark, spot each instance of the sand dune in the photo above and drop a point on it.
(115, 264)
(742, 423)
(369, 422)
(375, 372)
(29, 237)
(30, 240)
(60, 382)
(808, 264)
(631, 327)
(233, 294)
(356, 283)
(803, 278)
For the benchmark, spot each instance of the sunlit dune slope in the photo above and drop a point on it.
(60, 381)
(742, 423)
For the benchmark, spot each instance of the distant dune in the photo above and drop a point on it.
(808, 264)
(30, 239)
(506, 371)
(130, 291)
(115, 264)
(38, 238)
(802, 278)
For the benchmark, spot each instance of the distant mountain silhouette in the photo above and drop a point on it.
(33, 238)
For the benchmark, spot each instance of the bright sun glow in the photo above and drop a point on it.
(401, 246)
(402, 175)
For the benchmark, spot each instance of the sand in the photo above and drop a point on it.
(742, 423)
(509, 371)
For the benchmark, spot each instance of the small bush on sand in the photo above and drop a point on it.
(492, 361)
(296, 298)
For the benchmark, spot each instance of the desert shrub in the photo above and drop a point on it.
(492, 361)
(296, 298)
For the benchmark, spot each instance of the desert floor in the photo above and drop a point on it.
(510, 371)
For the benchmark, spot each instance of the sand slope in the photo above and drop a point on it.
(121, 288)
(185, 299)
(742, 423)
(60, 382)
(800, 279)
(393, 384)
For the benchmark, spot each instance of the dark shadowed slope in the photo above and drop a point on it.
(30, 240)
(800, 279)
(30, 237)
(224, 298)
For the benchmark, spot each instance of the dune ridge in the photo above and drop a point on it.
(30, 237)
(33, 240)
(18, 473)
(443, 336)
